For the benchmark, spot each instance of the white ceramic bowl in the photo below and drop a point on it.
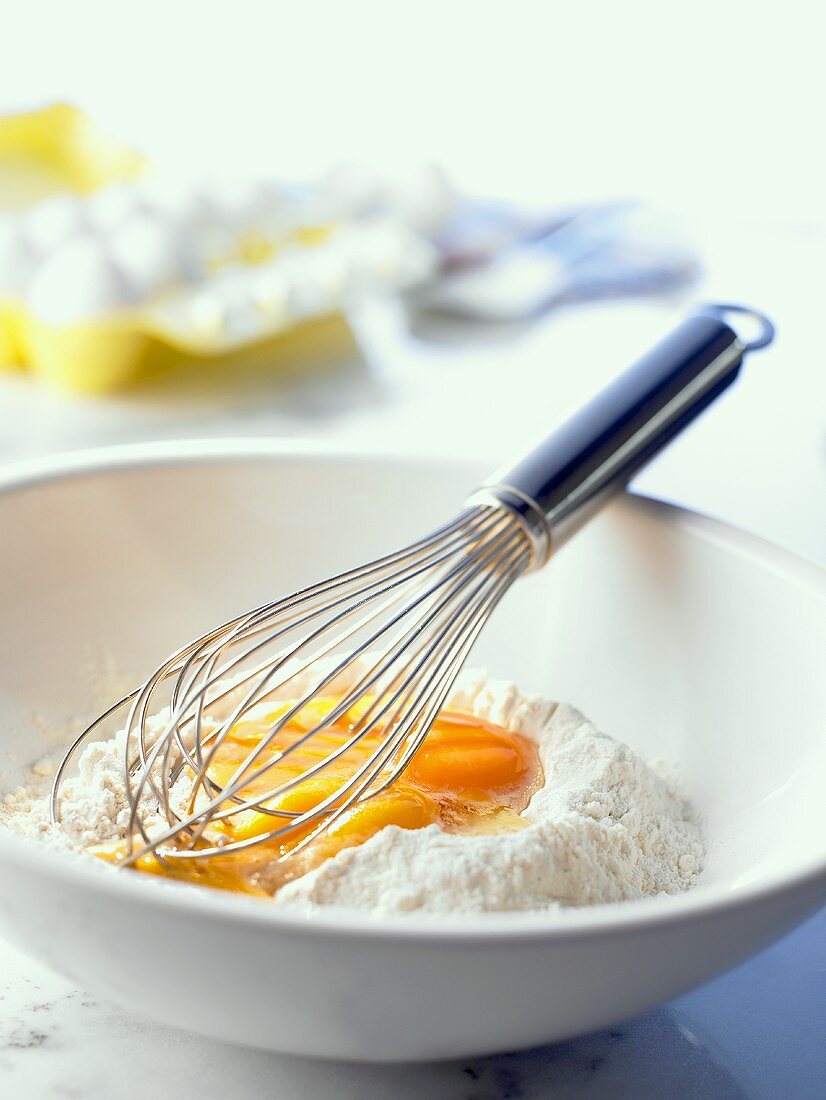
(689, 640)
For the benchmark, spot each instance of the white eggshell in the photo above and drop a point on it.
(17, 259)
(413, 260)
(201, 310)
(278, 209)
(351, 189)
(209, 216)
(148, 252)
(112, 205)
(425, 199)
(322, 284)
(332, 274)
(80, 280)
(241, 319)
(304, 299)
(52, 221)
(237, 204)
(233, 290)
(365, 248)
(209, 232)
(382, 254)
(269, 290)
(169, 196)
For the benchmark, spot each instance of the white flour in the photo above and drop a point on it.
(604, 827)
(94, 807)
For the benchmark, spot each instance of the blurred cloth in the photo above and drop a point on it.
(503, 264)
(499, 261)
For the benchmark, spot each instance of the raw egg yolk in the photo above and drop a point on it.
(471, 759)
(467, 776)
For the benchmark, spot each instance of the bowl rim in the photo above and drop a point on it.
(468, 928)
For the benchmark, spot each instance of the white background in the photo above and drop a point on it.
(713, 111)
(710, 107)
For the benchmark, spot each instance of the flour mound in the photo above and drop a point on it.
(94, 807)
(605, 828)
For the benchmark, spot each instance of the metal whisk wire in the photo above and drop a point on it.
(486, 562)
(386, 640)
(424, 605)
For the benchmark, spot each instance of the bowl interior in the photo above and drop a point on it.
(690, 642)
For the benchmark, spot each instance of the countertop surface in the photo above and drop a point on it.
(757, 1032)
(758, 460)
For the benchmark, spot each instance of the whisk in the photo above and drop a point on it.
(385, 641)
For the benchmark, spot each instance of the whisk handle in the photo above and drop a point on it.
(558, 486)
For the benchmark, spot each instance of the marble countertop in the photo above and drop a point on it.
(756, 1033)
(758, 460)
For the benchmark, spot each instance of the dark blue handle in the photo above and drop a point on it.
(604, 444)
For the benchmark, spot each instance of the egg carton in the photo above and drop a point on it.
(57, 148)
(97, 291)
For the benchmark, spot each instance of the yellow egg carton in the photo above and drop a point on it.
(114, 275)
(114, 353)
(43, 152)
(58, 149)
